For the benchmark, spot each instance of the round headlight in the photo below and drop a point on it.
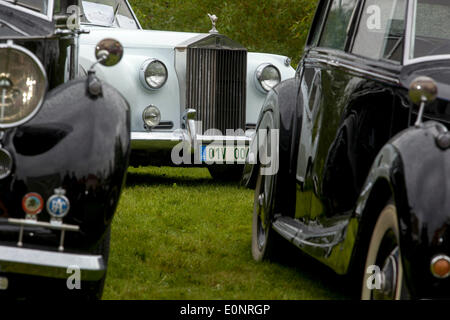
(153, 74)
(151, 116)
(23, 84)
(267, 77)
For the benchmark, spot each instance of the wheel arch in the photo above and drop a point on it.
(282, 103)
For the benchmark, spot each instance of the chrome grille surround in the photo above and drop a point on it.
(216, 83)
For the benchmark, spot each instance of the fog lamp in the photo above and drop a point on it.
(151, 116)
(440, 266)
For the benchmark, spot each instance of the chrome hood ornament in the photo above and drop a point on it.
(213, 21)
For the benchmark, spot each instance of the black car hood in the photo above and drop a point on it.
(17, 24)
(439, 71)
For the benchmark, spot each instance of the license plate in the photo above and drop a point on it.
(224, 154)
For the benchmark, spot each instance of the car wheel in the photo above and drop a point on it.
(265, 240)
(226, 172)
(383, 273)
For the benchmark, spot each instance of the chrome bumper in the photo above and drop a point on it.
(159, 141)
(50, 264)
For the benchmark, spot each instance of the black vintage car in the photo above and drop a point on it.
(363, 179)
(64, 150)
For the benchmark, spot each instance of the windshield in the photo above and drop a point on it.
(40, 6)
(431, 30)
(110, 13)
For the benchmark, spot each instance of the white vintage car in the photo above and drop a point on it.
(189, 93)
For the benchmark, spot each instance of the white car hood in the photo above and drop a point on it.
(137, 38)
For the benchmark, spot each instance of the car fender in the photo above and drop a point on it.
(281, 102)
(79, 143)
(414, 172)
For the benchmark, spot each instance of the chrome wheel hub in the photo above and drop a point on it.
(388, 277)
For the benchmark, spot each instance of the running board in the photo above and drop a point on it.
(314, 235)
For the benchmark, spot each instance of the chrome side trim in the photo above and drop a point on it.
(409, 31)
(50, 264)
(339, 64)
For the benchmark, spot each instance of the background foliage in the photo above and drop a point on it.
(273, 26)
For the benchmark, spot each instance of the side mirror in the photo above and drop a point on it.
(109, 52)
(422, 91)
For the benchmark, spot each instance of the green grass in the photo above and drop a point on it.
(178, 234)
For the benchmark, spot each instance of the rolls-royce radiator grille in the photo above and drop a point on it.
(216, 87)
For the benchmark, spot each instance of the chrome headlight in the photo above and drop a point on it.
(153, 74)
(23, 84)
(267, 77)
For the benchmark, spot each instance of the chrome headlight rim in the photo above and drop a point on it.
(143, 70)
(148, 109)
(259, 73)
(9, 45)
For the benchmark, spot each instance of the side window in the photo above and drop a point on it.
(318, 22)
(380, 34)
(334, 34)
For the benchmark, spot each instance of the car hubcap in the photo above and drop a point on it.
(261, 202)
(389, 277)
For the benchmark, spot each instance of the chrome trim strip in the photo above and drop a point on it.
(409, 31)
(167, 140)
(32, 223)
(50, 264)
(47, 16)
(134, 15)
(338, 64)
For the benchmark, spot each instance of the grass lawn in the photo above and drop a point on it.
(178, 234)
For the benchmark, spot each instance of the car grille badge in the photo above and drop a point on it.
(32, 205)
(58, 205)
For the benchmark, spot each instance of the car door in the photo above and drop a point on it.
(360, 46)
(331, 32)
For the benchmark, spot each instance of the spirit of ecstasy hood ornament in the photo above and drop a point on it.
(213, 21)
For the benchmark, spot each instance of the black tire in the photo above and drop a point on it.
(227, 173)
(266, 242)
(384, 253)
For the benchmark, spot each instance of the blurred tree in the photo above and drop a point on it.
(273, 26)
